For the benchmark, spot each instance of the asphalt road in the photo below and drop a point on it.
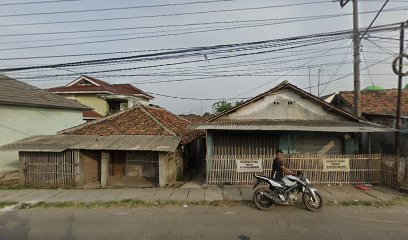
(206, 223)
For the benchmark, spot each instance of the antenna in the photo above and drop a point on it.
(344, 3)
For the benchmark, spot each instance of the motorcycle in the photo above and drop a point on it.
(286, 192)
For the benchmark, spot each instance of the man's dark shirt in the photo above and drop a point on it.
(277, 172)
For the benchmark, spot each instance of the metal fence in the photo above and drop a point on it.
(363, 168)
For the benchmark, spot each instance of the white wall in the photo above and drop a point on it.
(280, 105)
(17, 122)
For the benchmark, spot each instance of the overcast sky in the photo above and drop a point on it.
(275, 67)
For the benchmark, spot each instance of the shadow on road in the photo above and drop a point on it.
(13, 227)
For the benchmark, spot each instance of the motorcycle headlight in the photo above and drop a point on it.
(307, 181)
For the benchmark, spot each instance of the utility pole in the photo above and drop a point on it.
(318, 82)
(356, 42)
(398, 115)
(310, 83)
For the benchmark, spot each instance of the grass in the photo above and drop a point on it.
(6, 204)
(131, 203)
(13, 187)
(395, 202)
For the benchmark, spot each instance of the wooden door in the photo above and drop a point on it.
(118, 164)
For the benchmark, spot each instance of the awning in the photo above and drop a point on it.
(293, 125)
(59, 143)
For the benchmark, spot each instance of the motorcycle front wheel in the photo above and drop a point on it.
(261, 201)
(310, 204)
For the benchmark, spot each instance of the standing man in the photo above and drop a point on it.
(277, 167)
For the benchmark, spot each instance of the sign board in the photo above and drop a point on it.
(389, 163)
(336, 164)
(249, 165)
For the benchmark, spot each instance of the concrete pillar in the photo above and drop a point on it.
(167, 169)
(162, 169)
(105, 157)
(22, 168)
(210, 144)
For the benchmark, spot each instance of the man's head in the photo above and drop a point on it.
(279, 154)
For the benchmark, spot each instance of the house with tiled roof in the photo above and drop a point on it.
(243, 139)
(378, 105)
(104, 98)
(143, 146)
(26, 111)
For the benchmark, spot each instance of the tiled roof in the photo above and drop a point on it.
(139, 120)
(123, 89)
(195, 118)
(13, 92)
(379, 102)
(91, 114)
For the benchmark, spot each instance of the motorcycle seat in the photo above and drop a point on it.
(279, 181)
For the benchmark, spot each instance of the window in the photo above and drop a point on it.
(85, 83)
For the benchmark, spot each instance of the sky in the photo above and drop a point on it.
(144, 26)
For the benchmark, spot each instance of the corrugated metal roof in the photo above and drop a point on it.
(293, 125)
(13, 92)
(158, 143)
(59, 143)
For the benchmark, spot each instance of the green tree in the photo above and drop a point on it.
(239, 102)
(207, 114)
(221, 106)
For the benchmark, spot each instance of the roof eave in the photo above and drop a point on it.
(27, 104)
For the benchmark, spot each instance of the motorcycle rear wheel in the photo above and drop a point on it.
(310, 204)
(261, 201)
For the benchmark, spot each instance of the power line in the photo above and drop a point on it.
(196, 50)
(161, 5)
(375, 18)
(306, 88)
(38, 2)
(300, 18)
(343, 61)
(124, 39)
(276, 79)
(191, 98)
(402, 8)
(201, 50)
(177, 63)
(258, 62)
(172, 33)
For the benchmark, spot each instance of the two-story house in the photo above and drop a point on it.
(103, 97)
(27, 111)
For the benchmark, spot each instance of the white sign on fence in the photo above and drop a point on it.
(249, 165)
(336, 164)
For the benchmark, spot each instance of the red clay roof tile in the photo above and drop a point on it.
(379, 102)
(125, 89)
(139, 120)
(91, 114)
